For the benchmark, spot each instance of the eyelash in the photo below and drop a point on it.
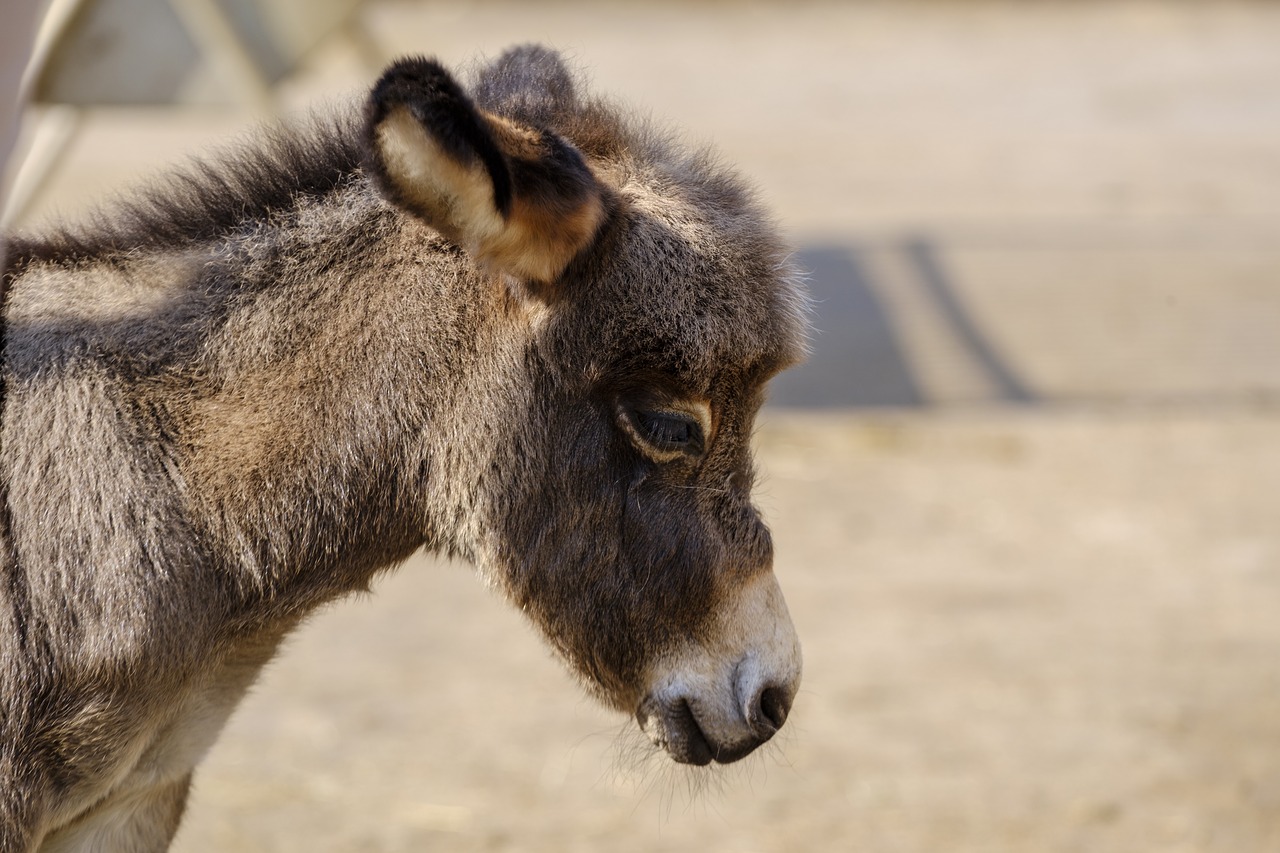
(670, 431)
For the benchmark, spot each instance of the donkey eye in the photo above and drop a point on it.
(670, 430)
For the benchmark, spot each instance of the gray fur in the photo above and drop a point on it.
(256, 387)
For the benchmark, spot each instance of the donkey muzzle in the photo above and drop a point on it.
(720, 700)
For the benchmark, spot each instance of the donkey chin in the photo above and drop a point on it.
(719, 700)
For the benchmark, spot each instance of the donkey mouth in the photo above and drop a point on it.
(675, 728)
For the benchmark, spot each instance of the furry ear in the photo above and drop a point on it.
(517, 198)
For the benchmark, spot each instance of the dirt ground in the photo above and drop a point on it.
(1039, 593)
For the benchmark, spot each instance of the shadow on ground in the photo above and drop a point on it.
(859, 357)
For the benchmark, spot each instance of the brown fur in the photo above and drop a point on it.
(505, 325)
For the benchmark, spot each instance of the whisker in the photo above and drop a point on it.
(703, 489)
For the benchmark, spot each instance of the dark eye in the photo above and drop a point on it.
(670, 430)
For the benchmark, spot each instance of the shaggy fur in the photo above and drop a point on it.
(506, 325)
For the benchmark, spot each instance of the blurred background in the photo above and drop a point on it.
(1025, 494)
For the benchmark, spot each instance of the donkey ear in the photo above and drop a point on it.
(519, 199)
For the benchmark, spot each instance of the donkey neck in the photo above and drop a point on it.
(316, 383)
(330, 431)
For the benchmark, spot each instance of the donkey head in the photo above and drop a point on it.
(610, 470)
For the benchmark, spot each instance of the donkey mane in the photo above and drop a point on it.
(207, 198)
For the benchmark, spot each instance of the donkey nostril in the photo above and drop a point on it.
(774, 706)
(770, 712)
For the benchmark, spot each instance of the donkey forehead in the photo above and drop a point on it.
(700, 291)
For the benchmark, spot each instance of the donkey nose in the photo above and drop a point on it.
(767, 710)
(764, 698)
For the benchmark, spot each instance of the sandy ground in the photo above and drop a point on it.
(1038, 593)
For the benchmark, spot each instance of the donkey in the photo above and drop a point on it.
(504, 322)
